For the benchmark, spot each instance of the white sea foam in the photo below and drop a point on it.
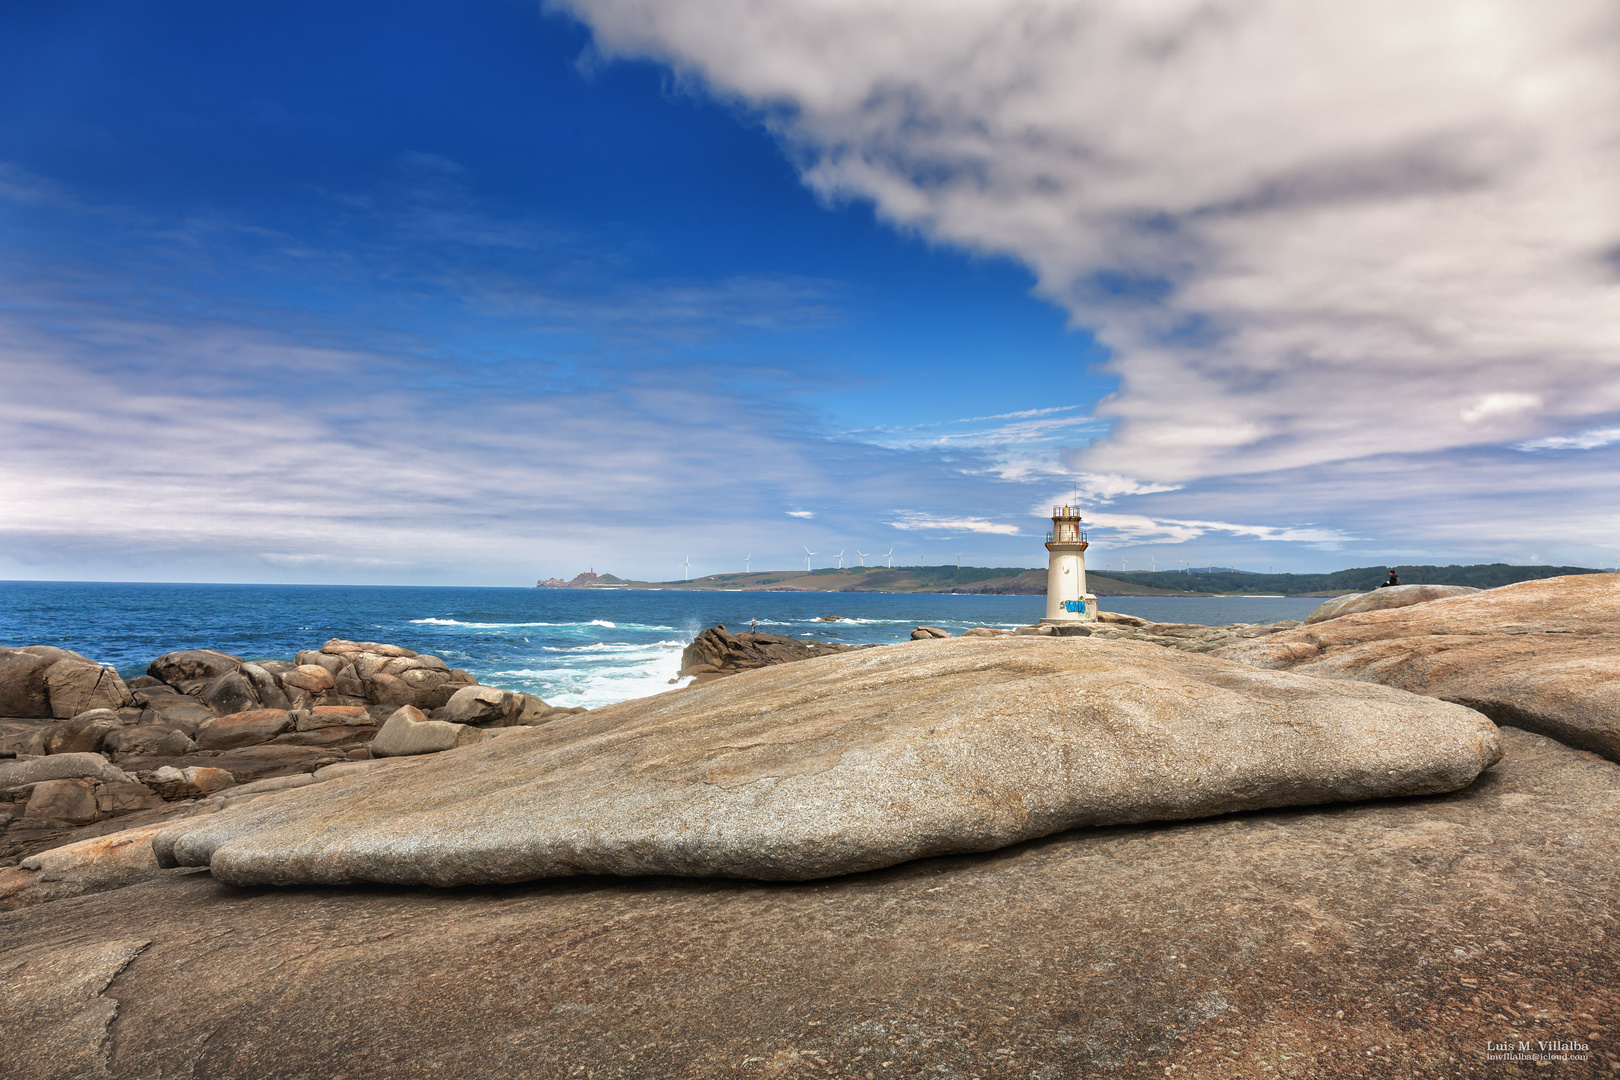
(524, 625)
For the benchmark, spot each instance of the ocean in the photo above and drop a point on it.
(570, 647)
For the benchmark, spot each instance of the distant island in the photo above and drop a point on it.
(1021, 581)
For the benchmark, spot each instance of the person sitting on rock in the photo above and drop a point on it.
(1394, 579)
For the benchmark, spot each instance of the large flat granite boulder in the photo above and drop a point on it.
(853, 762)
(1377, 940)
(1390, 596)
(1541, 655)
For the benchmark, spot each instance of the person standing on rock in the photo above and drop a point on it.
(1394, 579)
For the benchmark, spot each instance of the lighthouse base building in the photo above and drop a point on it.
(1067, 601)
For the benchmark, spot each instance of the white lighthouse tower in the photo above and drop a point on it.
(1067, 601)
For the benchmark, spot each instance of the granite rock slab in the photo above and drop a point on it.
(854, 762)
(1365, 941)
(1540, 655)
(1390, 596)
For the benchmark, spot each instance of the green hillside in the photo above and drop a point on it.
(1021, 581)
(1361, 579)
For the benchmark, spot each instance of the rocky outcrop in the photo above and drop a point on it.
(717, 651)
(42, 681)
(220, 722)
(1541, 655)
(849, 763)
(1359, 942)
(1392, 596)
(928, 633)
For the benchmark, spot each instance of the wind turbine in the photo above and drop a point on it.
(1122, 563)
(688, 565)
(959, 560)
(807, 554)
(863, 555)
(890, 558)
(748, 564)
(840, 559)
(1154, 560)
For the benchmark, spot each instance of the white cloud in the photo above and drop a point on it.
(1585, 440)
(1137, 528)
(929, 523)
(1498, 405)
(801, 513)
(1310, 232)
(1104, 488)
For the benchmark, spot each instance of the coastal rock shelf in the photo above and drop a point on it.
(1540, 655)
(1363, 941)
(852, 762)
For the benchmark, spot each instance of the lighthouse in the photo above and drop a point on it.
(1067, 601)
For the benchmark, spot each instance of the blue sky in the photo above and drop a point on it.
(480, 293)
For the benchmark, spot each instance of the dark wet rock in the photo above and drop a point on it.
(729, 653)
(267, 688)
(192, 665)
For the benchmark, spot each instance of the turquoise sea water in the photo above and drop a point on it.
(571, 647)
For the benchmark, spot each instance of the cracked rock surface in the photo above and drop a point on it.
(852, 762)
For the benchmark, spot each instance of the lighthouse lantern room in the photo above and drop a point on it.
(1067, 601)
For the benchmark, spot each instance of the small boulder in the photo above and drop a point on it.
(75, 686)
(137, 740)
(64, 800)
(191, 665)
(409, 732)
(114, 799)
(250, 728)
(325, 716)
(23, 692)
(310, 678)
(231, 692)
(483, 706)
(189, 783)
(924, 633)
(265, 686)
(175, 744)
(390, 690)
(85, 733)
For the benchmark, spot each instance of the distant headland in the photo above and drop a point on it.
(1021, 581)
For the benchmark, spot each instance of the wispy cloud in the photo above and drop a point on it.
(1585, 440)
(1433, 269)
(916, 522)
